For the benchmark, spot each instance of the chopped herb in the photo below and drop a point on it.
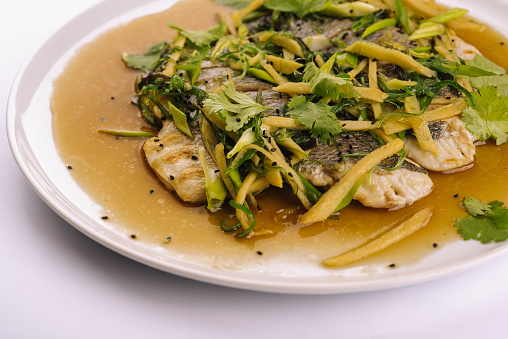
(232, 105)
(486, 222)
(488, 117)
(318, 117)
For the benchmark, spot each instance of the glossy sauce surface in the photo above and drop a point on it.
(94, 93)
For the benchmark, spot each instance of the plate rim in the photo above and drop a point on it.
(191, 270)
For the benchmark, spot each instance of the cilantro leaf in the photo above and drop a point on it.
(499, 79)
(234, 107)
(300, 7)
(318, 117)
(193, 63)
(475, 207)
(489, 116)
(144, 62)
(203, 37)
(327, 85)
(491, 224)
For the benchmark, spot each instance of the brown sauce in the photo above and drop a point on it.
(94, 93)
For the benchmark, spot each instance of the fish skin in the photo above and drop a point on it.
(383, 189)
(176, 163)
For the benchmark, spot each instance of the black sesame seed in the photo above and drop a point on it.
(265, 147)
(456, 195)
(194, 157)
(238, 119)
(351, 10)
(133, 236)
(434, 245)
(448, 98)
(501, 43)
(259, 253)
(277, 110)
(290, 174)
(273, 149)
(161, 145)
(344, 124)
(69, 167)
(156, 140)
(112, 98)
(171, 177)
(105, 217)
(152, 191)
(217, 171)
(391, 265)
(274, 163)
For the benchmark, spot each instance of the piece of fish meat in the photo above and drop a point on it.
(174, 158)
(455, 145)
(383, 189)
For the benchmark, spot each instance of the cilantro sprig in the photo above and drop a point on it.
(488, 117)
(486, 222)
(236, 108)
(318, 117)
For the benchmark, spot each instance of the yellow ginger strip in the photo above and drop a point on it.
(376, 107)
(259, 184)
(385, 137)
(273, 174)
(291, 176)
(371, 94)
(288, 55)
(354, 72)
(429, 11)
(399, 122)
(283, 122)
(333, 197)
(283, 41)
(420, 127)
(273, 73)
(230, 23)
(283, 65)
(319, 61)
(179, 42)
(393, 56)
(382, 4)
(411, 104)
(366, 93)
(423, 135)
(242, 13)
(240, 198)
(399, 232)
(351, 125)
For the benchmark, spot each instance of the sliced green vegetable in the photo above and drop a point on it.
(132, 134)
(402, 18)
(427, 30)
(180, 120)
(378, 26)
(448, 16)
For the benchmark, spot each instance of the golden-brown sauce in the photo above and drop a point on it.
(94, 93)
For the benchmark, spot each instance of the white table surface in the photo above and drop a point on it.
(57, 283)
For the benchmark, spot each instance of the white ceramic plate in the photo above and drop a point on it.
(30, 135)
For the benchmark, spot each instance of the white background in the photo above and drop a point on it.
(57, 283)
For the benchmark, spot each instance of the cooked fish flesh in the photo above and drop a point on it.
(173, 156)
(454, 143)
(383, 189)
